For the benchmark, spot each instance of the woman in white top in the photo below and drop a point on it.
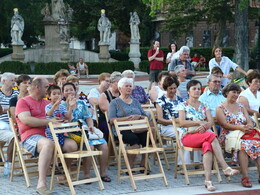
(172, 53)
(158, 91)
(224, 63)
(250, 98)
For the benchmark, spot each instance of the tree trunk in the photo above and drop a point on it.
(241, 35)
(220, 35)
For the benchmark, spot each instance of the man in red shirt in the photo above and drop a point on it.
(155, 57)
(32, 122)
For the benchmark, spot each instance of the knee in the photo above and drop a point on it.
(48, 144)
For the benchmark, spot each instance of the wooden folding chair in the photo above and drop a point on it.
(183, 165)
(96, 113)
(112, 145)
(168, 150)
(68, 128)
(2, 152)
(137, 124)
(22, 160)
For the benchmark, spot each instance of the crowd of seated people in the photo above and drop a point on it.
(176, 96)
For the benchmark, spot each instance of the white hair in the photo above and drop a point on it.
(123, 81)
(178, 68)
(184, 49)
(115, 76)
(126, 72)
(7, 76)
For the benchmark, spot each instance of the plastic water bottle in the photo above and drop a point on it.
(7, 169)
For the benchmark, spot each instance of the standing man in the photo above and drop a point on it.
(32, 122)
(155, 57)
(82, 67)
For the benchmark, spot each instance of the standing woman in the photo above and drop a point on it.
(172, 53)
(224, 63)
(196, 121)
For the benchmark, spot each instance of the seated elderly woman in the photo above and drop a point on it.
(158, 91)
(81, 111)
(125, 108)
(181, 75)
(196, 121)
(105, 99)
(138, 92)
(240, 138)
(250, 98)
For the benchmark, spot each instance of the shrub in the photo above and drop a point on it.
(49, 68)
(5, 51)
(99, 67)
(143, 65)
(14, 67)
(119, 55)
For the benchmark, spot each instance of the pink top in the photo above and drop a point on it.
(37, 110)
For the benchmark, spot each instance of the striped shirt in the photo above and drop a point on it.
(4, 102)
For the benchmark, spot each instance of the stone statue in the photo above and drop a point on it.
(46, 10)
(17, 28)
(69, 14)
(134, 22)
(104, 27)
(63, 30)
(58, 9)
(189, 41)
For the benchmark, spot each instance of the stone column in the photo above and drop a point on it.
(104, 54)
(18, 54)
(134, 54)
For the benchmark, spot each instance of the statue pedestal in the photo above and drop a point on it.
(134, 54)
(65, 54)
(104, 54)
(18, 54)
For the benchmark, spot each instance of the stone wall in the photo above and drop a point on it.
(36, 55)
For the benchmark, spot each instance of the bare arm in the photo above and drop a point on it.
(12, 113)
(159, 59)
(161, 120)
(153, 57)
(1, 110)
(28, 120)
(244, 101)
(221, 118)
(103, 103)
(240, 70)
(93, 101)
(153, 94)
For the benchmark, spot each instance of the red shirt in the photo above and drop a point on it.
(37, 109)
(195, 59)
(154, 64)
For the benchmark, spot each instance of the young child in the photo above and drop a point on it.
(72, 70)
(58, 110)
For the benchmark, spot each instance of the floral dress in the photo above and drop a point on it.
(139, 94)
(251, 147)
(192, 114)
(82, 112)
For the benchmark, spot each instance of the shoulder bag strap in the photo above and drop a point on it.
(120, 106)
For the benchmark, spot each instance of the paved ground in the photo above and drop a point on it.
(154, 186)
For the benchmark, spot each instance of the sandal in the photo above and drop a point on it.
(106, 179)
(245, 182)
(209, 186)
(43, 191)
(230, 172)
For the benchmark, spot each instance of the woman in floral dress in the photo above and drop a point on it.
(233, 117)
(196, 121)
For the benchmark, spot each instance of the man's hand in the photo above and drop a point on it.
(55, 120)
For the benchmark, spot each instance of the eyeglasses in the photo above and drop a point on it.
(215, 82)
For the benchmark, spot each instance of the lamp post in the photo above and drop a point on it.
(257, 23)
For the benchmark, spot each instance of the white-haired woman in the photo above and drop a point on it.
(138, 92)
(6, 93)
(105, 99)
(184, 54)
(126, 108)
(181, 75)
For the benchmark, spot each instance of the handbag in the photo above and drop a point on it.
(97, 134)
(252, 135)
(124, 115)
(233, 140)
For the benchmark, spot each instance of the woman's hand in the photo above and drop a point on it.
(72, 102)
(134, 117)
(91, 129)
(246, 128)
(204, 126)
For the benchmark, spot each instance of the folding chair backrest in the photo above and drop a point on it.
(96, 111)
(147, 107)
(175, 126)
(73, 127)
